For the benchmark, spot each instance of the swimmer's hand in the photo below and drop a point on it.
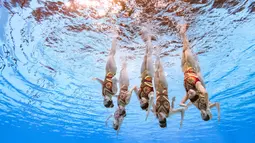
(183, 105)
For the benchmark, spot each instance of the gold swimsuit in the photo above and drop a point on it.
(122, 96)
(162, 103)
(146, 87)
(107, 85)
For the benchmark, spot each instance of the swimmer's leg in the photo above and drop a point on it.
(217, 104)
(187, 56)
(149, 62)
(160, 70)
(111, 64)
(124, 79)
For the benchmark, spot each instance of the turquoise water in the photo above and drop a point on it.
(50, 50)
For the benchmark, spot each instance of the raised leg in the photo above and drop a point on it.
(124, 79)
(147, 61)
(111, 64)
(187, 57)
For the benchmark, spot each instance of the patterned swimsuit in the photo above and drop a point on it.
(162, 103)
(146, 87)
(190, 80)
(122, 96)
(107, 85)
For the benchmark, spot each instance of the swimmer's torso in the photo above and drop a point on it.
(122, 96)
(107, 85)
(146, 87)
(190, 80)
(162, 102)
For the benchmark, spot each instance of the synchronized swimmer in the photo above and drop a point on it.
(154, 84)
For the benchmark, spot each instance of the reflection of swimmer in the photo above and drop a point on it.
(124, 95)
(162, 109)
(109, 85)
(193, 81)
(146, 92)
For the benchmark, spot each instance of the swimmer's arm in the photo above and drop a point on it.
(137, 93)
(99, 80)
(106, 122)
(217, 104)
(182, 111)
(153, 110)
(184, 99)
(201, 88)
(151, 98)
(129, 94)
(172, 103)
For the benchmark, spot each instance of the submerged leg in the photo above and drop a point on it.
(149, 62)
(160, 70)
(111, 64)
(124, 79)
(187, 57)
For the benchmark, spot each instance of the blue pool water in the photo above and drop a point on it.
(50, 50)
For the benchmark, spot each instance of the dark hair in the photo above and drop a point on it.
(123, 112)
(144, 106)
(115, 126)
(162, 123)
(207, 118)
(108, 104)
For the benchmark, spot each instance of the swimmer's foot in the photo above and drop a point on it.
(182, 28)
